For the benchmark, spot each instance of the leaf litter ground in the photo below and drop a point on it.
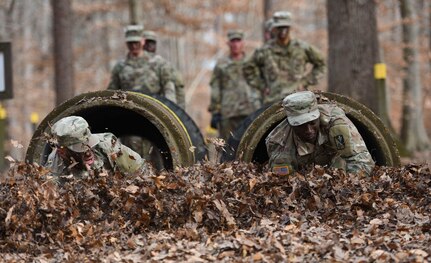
(227, 212)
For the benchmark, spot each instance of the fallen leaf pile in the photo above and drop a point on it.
(227, 212)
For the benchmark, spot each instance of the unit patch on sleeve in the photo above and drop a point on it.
(281, 169)
(340, 144)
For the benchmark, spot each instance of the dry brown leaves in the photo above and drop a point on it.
(227, 212)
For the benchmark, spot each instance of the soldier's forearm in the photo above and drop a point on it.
(169, 91)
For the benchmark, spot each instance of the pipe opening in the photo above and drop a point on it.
(260, 154)
(123, 122)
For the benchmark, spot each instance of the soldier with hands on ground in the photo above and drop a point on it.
(280, 66)
(232, 99)
(316, 134)
(81, 153)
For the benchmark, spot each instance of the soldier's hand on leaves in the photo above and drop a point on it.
(215, 120)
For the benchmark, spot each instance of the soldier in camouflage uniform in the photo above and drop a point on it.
(316, 134)
(281, 64)
(231, 98)
(151, 47)
(79, 152)
(268, 30)
(142, 72)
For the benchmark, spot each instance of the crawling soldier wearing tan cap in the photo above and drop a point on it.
(81, 153)
(316, 134)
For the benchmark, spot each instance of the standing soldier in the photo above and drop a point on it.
(141, 72)
(151, 47)
(281, 64)
(145, 73)
(268, 34)
(231, 98)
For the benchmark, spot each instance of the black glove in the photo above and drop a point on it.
(215, 120)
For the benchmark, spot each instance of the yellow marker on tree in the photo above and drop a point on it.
(3, 113)
(380, 71)
(34, 117)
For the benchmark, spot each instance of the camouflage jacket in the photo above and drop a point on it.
(230, 94)
(177, 79)
(146, 74)
(339, 145)
(110, 155)
(283, 69)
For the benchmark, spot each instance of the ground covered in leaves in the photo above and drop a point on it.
(227, 212)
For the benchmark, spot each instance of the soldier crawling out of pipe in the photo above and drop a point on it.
(316, 134)
(81, 153)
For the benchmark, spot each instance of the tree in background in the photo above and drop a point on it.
(353, 50)
(413, 132)
(135, 12)
(63, 52)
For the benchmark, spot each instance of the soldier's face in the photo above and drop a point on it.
(82, 159)
(135, 48)
(150, 46)
(308, 131)
(236, 46)
(282, 32)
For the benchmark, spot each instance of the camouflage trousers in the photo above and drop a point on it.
(229, 125)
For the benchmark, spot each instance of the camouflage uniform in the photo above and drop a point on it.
(177, 78)
(72, 132)
(146, 74)
(231, 96)
(283, 69)
(268, 34)
(338, 145)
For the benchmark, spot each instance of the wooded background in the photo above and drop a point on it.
(192, 36)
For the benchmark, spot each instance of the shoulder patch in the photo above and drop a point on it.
(340, 144)
(281, 169)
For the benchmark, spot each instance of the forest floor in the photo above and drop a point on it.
(226, 212)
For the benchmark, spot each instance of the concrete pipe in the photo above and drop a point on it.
(248, 142)
(156, 119)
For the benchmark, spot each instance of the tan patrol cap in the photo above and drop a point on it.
(235, 34)
(73, 132)
(301, 107)
(282, 18)
(133, 33)
(150, 35)
(268, 24)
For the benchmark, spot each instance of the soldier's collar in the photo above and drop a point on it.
(138, 57)
(239, 60)
(304, 148)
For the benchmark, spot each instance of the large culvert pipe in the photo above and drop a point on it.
(157, 119)
(248, 142)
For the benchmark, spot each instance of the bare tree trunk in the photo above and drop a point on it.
(267, 14)
(134, 11)
(267, 9)
(353, 49)
(63, 52)
(413, 131)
